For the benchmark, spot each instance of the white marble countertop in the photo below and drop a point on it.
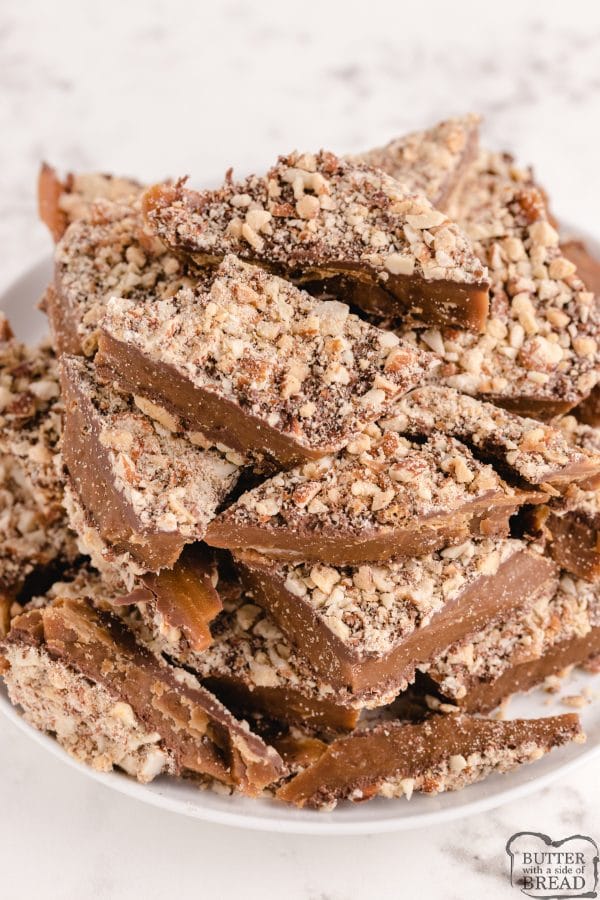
(156, 87)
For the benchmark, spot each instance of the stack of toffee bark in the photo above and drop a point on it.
(305, 484)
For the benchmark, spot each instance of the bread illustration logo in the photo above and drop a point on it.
(549, 869)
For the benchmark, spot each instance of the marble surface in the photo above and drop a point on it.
(176, 87)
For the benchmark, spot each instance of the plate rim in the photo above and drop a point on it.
(278, 822)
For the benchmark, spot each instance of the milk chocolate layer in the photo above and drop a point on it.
(443, 753)
(588, 410)
(302, 222)
(383, 497)
(484, 696)
(381, 659)
(148, 493)
(442, 303)
(194, 727)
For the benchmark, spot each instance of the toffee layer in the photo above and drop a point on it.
(257, 364)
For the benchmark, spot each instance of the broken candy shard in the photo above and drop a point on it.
(383, 497)
(483, 696)
(257, 364)
(253, 669)
(33, 526)
(539, 355)
(98, 659)
(572, 521)
(588, 268)
(320, 218)
(431, 162)
(105, 254)
(147, 491)
(63, 202)
(491, 664)
(366, 628)
(443, 753)
(534, 453)
(574, 537)
(185, 596)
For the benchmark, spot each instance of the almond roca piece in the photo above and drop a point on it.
(431, 162)
(78, 672)
(66, 201)
(570, 523)
(106, 254)
(444, 753)
(530, 451)
(539, 355)
(368, 627)
(383, 497)
(520, 649)
(257, 364)
(254, 670)
(588, 268)
(147, 491)
(573, 532)
(318, 218)
(34, 532)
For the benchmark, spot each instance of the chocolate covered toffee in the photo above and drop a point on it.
(146, 490)
(78, 672)
(33, 524)
(527, 450)
(444, 753)
(72, 199)
(431, 162)
(385, 496)
(290, 466)
(104, 254)
(258, 364)
(254, 669)
(314, 217)
(539, 354)
(519, 650)
(368, 627)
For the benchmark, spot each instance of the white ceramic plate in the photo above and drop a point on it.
(377, 815)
